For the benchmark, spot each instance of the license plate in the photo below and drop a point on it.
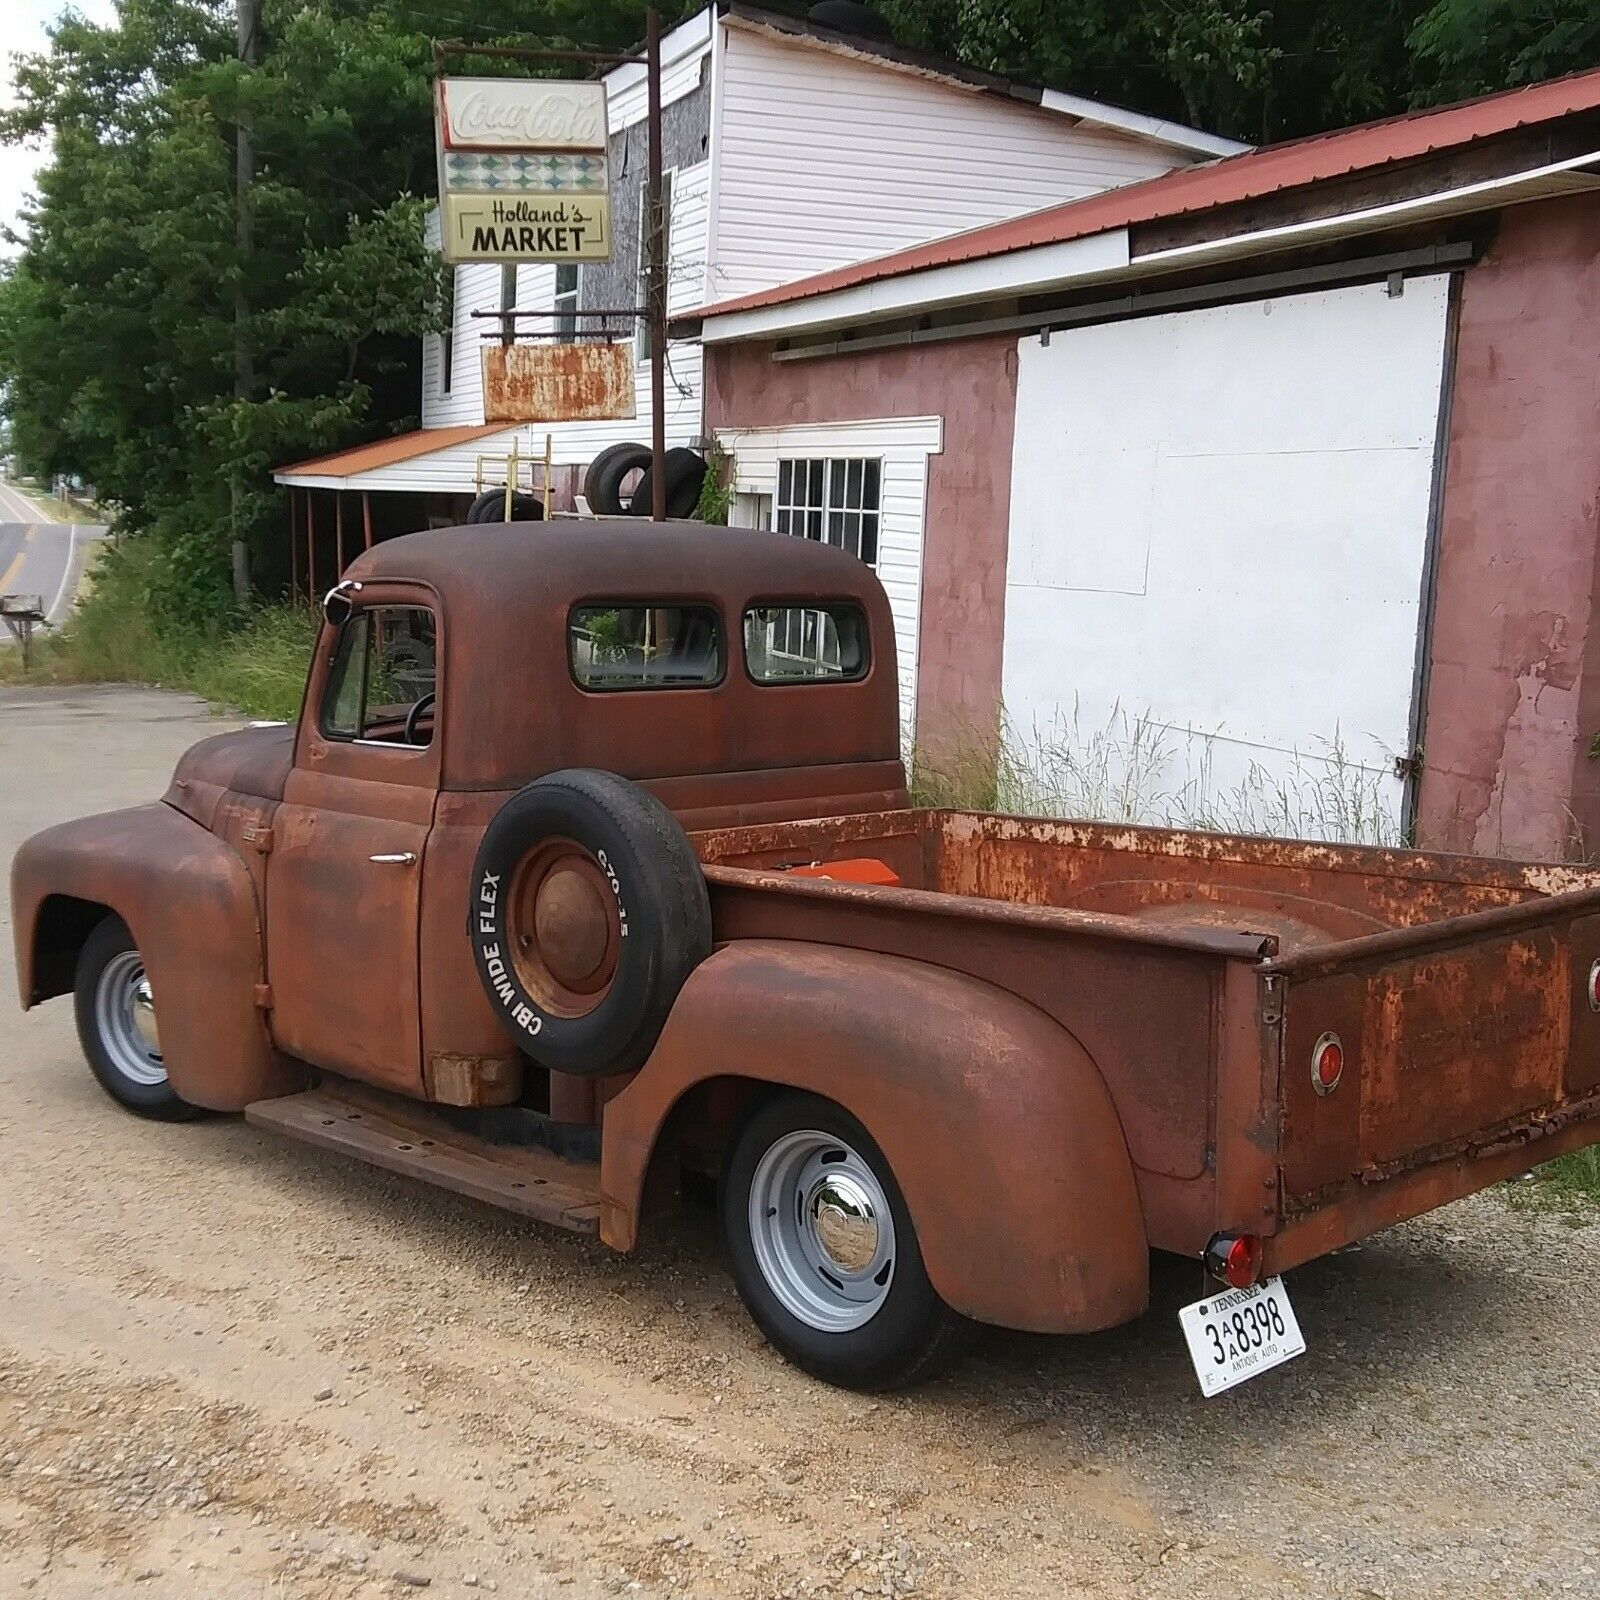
(1237, 1334)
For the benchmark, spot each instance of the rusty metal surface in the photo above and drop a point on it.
(998, 1128)
(188, 900)
(589, 382)
(403, 1137)
(510, 709)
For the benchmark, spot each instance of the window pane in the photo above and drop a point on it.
(805, 644)
(636, 645)
(785, 484)
(869, 540)
(852, 491)
(873, 473)
(813, 524)
(386, 663)
(341, 706)
(836, 533)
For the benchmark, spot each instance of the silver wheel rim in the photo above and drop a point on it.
(822, 1231)
(125, 1015)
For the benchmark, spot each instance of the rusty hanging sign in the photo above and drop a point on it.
(558, 382)
(524, 172)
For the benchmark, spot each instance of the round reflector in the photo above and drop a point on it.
(1235, 1258)
(1594, 987)
(1327, 1063)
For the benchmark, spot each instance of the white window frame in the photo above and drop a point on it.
(826, 498)
(565, 304)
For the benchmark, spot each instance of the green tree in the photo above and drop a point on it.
(117, 317)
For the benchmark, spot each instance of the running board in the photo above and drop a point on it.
(404, 1136)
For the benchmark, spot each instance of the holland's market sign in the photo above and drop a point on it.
(523, 170)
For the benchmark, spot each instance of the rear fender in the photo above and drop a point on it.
(998, 1126)
(189, 902)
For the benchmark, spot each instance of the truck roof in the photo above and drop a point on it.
(510, 707)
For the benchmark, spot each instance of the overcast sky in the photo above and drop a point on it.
(22, 27)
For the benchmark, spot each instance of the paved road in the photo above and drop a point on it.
(508, 1406)
(40, 556)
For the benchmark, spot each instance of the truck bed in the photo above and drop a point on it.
(1200, 970)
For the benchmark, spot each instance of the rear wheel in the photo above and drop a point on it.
(824, 1253)
(116, 1014)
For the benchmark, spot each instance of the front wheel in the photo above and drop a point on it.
(117, 1025)
(824, 1254)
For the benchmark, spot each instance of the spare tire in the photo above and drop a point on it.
(602, 483)
(490, 506)
(587, 912)
(686, 471)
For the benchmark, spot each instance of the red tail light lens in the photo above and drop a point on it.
(1594, 987)
(1327, 1063)
(1235, 1258)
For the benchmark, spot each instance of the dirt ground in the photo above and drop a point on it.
(230, 1366)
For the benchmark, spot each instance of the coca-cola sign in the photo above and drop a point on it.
(521, 114)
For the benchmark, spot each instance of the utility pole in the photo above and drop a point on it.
(656, 299)
(244, 366)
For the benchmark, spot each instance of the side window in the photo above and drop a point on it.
(636, 645)
(806, 643)
(380, 689)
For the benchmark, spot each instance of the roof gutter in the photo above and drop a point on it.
(1105, 257)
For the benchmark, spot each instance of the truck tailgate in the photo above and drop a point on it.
(1456, 1036)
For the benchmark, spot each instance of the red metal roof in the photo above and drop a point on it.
(1252, 175)
(386, 452)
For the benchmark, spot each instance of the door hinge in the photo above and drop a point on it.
(258, 836)
(263, 997)
(1408, 766)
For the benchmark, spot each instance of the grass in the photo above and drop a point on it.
(258, 669)
(50, 506)
(1569, 1183)
(1130, 769)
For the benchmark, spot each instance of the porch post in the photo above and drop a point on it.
(294, 543)
(311, 545)
(338, 532)
(366, 516)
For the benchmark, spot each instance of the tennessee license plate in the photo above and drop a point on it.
(1237, 1334)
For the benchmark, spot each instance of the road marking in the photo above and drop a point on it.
(21, 555)
(66, 574)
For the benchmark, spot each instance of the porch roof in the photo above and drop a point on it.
(343, 468)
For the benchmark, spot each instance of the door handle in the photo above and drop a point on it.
(401, 858)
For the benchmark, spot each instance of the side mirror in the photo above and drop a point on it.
(338, 606)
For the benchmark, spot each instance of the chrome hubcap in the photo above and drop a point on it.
(125, 1014)
(822, 1231)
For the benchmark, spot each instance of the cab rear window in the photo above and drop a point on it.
(810, 643)
(637, 645)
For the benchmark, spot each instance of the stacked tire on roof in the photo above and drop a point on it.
(605, 481)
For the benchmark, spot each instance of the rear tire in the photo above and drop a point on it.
(824, 1253)
(116, 1025)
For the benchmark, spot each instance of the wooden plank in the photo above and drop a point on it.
(403, 1138)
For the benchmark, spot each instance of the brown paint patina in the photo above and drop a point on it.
(1073, 1042)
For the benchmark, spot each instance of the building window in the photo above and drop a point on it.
(566, 303)
(834, 501)
(642, 348)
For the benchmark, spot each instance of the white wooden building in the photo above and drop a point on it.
(790, 150)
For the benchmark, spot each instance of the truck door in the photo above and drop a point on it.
(345, 867)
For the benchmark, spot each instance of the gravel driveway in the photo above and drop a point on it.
(232, 1367)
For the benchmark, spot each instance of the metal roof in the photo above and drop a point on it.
(1253, 175)
(386, 452)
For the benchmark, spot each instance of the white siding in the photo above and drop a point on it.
(903, 444)
(1218, 523)
(477, 289)
(826, 160)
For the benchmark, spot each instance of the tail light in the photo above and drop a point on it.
(1235, 1258)
(1327, 1061)
(1594, 987)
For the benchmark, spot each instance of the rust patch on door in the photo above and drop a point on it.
(557, 383)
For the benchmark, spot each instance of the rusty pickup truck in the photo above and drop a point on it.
(589, 874)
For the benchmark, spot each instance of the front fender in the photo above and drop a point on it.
(188, 900)
(997, 1124)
